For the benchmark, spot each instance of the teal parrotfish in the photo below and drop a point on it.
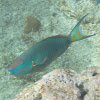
(45, 51)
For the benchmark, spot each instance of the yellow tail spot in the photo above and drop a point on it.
(72, 38)
(79, 34)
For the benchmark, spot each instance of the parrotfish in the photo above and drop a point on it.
(45, 51)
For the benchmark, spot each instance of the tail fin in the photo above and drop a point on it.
(76, 33)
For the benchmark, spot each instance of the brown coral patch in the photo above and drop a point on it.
(31, 23)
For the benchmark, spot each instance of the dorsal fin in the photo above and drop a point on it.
(50, 37)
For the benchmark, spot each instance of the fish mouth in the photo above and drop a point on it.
(19, 71)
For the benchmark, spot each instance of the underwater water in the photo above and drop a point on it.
(56, 17)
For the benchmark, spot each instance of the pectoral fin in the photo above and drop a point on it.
(40, 62)
(44, 60)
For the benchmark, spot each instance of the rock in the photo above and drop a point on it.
(63, 84)
(91, 81)
(31, 23)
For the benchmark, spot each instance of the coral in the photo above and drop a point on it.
(31, 23)
(63, 84)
